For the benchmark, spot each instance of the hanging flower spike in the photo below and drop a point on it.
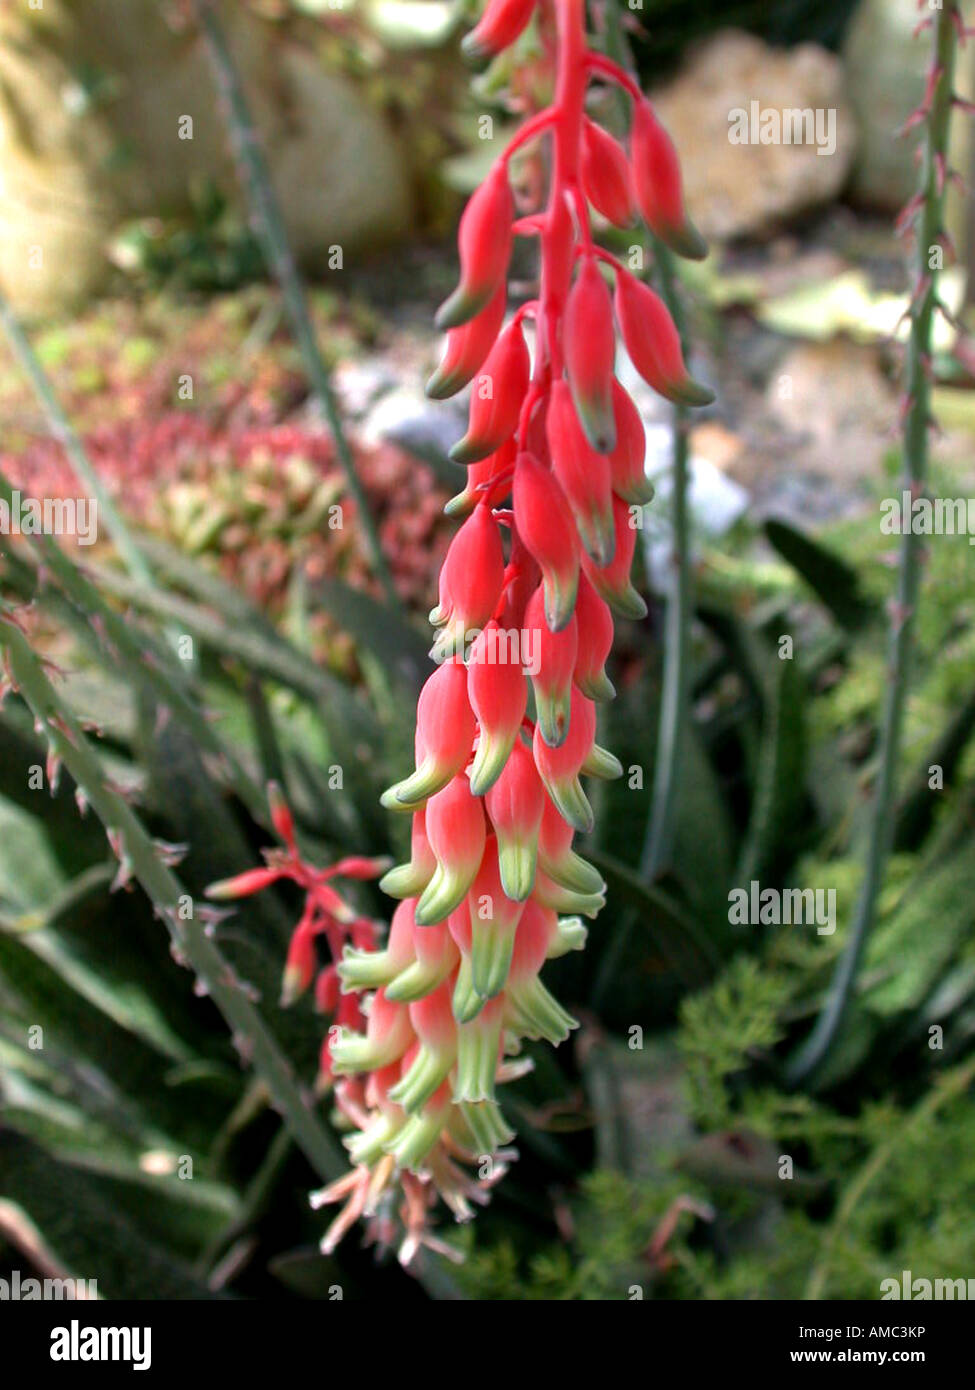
(494, 887)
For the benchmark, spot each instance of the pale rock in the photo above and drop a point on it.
(738, 190)
(67, 175)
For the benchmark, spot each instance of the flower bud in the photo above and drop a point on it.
(327, 990)
(612, 582)
(515, 804)
(433, 1023)
(530, 1010)
(499, 696)
(582, 473)
(496, 397)
(484, 242)
(445, 730)
(546, 526)
(494, 916)
(479, 1052)
(409, 880)
(658, 184)
(653, 342)
(557, 859)
(470, 583)
(434, 958)
(606, 176)
(555, 659)
(456, 831)
(299, 967)
(627, 462)
(559, 768)
(594, 625)
(388, 1034)
(467, 347)
(589, 341)
(371, 969)
(488, 481)
(500, 25)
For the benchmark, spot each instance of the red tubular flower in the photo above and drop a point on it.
(547, 528)
(496, 399)
(433, 957)
(653, 342)
(627, 462)
(488, 481)
(658, 184)
(371, 969)
(529, 1008)
(409, 880)
(595, 627)
(501, 24)
(388, 1034)
(554, 661)
(590, 355)
(494, 916)
(498, 696)
(559, 768)
(612, 582)
(484, 242)
(515, 805)
(606, 175)
(468, 347)
(470, 583)
(557, 858)
(583, 475)
(444, 730)
(456, 831)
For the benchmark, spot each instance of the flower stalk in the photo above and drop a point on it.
(925, 214)
(507, 722)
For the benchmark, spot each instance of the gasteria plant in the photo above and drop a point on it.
(555, 455)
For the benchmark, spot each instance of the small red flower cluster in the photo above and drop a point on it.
(506, 724)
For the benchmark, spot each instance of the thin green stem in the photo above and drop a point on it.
(63, 431)
(674, 699)
(187, 929)
(817, 1046)
(270, 225)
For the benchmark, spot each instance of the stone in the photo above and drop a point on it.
(885, 78)
(71, 167)
(735, 88)
(886, 68)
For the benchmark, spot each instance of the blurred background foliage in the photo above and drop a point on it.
(137, 1145)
